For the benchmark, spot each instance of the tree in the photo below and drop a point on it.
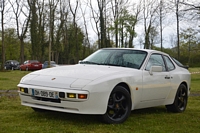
(12, 44)
(95, 17)
(86, 43)
(117, 7)
(74, 13)
(52, 10)
(126, 23)
(177, 28)
(150, 8)
(161, 30)
(34, 29)
(2, 6)
(60, 29)
(20, 10)
(102, 7)
(189, 41)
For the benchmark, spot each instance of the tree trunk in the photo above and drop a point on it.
(177, 20)
(2, 26)
(21, 50)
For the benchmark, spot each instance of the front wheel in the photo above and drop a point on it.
(180, 101)
(119, 106)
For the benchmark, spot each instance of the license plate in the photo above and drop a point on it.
(44, 93)
(36, 65)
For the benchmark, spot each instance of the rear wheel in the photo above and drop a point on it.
(180, 101)
(119, 106)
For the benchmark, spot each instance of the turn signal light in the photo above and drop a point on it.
(82, 96)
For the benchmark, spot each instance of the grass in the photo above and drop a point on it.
(10, 79)
(21, 119)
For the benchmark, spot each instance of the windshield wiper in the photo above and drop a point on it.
(88, 62)
(108, 64)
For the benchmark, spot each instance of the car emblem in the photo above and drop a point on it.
(53, 78)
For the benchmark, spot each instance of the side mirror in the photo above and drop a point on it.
(155, 69)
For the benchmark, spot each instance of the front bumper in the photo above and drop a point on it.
(91, 105)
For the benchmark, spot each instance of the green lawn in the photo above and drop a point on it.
(15, 118)
(10, 79)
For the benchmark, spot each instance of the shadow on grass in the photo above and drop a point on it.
(90, 119)
(152, 110)
(66, 117)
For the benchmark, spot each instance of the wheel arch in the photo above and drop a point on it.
(186, 85)
(123, 84)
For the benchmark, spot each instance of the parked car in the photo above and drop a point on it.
(11, 65)
(31, 65)
(111, 82)
(52, 64)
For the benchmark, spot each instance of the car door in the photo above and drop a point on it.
(156, 86)
(7, 65)
(23, 66)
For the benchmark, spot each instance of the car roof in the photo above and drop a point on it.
(12, 60)
(50, 61)
(146, 50)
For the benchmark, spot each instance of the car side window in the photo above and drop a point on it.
(169, 64)
(155, 60)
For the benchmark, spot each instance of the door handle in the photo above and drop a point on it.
(167, 77)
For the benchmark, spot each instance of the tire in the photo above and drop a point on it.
(180, 101)
(26, 68)
(119, 106)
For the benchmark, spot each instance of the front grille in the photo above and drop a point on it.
(47, 99)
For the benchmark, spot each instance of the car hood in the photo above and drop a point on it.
(72, 76)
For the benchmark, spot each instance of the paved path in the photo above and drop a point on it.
(195, 72)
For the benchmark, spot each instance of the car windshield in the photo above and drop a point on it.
(14, 61)
(52, 62)
(117, 57)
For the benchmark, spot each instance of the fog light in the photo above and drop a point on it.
(25, 90)
(71, 95)
(82, 96)
(22, 89)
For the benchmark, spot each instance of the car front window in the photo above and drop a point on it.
(155, 60)
(117, 57)
(34, 61)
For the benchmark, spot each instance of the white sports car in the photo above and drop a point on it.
(111, 82)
